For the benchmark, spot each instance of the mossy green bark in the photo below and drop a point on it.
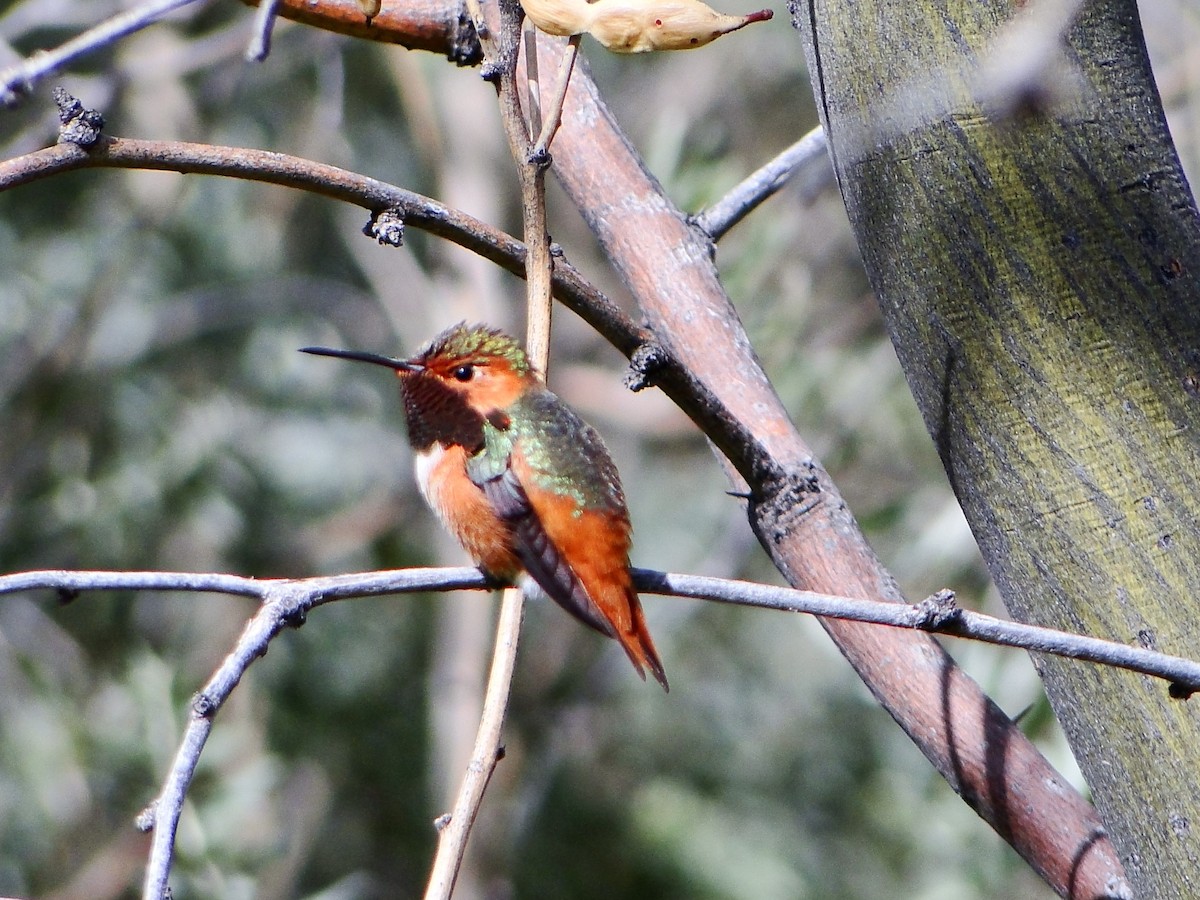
(1036, 253)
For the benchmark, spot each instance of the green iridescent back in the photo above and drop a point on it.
(566, 455)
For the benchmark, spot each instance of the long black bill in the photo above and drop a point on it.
(399, 365)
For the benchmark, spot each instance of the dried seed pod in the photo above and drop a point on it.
(638, 26)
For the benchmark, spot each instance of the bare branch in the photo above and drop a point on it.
(330, 181)
(757, 187)
(17, 81)
(454, 830)
(70, 582)
(936, 613)
(264, 24)
(434, 25)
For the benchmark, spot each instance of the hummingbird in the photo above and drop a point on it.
(523, 483)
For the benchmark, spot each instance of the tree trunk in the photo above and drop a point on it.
(1035, 249)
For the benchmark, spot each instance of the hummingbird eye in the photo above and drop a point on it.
(464, 373)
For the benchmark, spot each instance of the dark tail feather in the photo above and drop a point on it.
(640, 647)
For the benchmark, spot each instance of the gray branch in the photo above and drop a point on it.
(18, 80)
(758, 186)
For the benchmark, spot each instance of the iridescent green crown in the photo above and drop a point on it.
(463, 341)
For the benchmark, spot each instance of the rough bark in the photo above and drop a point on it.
(1036, 252)
(433, 25)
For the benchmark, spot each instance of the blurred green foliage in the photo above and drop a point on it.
(157, 416)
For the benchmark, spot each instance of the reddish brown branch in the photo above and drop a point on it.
(432, 25)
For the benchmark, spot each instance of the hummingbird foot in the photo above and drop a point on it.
(494, 582)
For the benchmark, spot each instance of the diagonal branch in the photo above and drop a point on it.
(285, 603)
(454, 829)
(747, 195)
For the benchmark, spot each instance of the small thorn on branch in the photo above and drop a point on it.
(386, 226)
(1180, 691)
(647, 359)
(204, 706)
(144, 822)
(491, 71)
(292, 618)
(442, 821)
(79, 125)
(67, 595)
(370, 9)
(937, 611)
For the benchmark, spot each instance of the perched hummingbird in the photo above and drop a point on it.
(523, 483)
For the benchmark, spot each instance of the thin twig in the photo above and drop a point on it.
(553, 116)
(538, 271)
(164, 813)
(500, 56)
(531, 174)
(488, 750)
(18, 80)
(264, 24)
(935, 614)
(532, 78)
(717, 219)
(330, 181)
